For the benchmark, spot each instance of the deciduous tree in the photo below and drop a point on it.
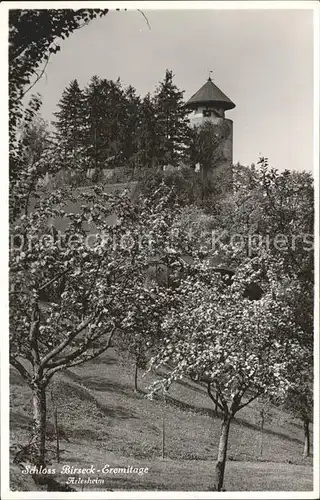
(71, 290)
(240, 348)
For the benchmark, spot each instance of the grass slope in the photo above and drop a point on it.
(106, 422)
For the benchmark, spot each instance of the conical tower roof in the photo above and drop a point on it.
(210, 94)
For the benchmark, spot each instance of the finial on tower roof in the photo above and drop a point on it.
(209, 77)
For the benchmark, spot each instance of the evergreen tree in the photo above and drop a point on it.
(148, 142)
(172, 121)
(129, 129)
(131, 121)
(105, 104)
(116, 116)
(70, 128)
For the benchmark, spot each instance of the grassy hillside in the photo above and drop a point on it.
(106, 422)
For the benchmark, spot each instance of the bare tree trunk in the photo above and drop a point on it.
(222, 452)
(57, 434)
(163, 427)
(163, 437)
(136, 377)
(261, 431)
(306, 451)
(216, 408)
(39, 423)
(56, 426)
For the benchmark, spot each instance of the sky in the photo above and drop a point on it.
(261, 59)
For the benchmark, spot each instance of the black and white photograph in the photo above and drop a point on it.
(160, 237)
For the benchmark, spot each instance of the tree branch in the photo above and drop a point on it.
(147, 21)
(68, 339)
(251, 399)
(53, 280)
(87, 296)
(14, 292)
(21, 369)
(76, 353)
(215, 400)
(38, 77)
(76, 362)
(78, 330)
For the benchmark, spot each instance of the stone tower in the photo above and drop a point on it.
(210, 104)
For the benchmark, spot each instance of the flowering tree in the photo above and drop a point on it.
(141, 334)
(71, 292)
(268, 220)
(240, 348)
